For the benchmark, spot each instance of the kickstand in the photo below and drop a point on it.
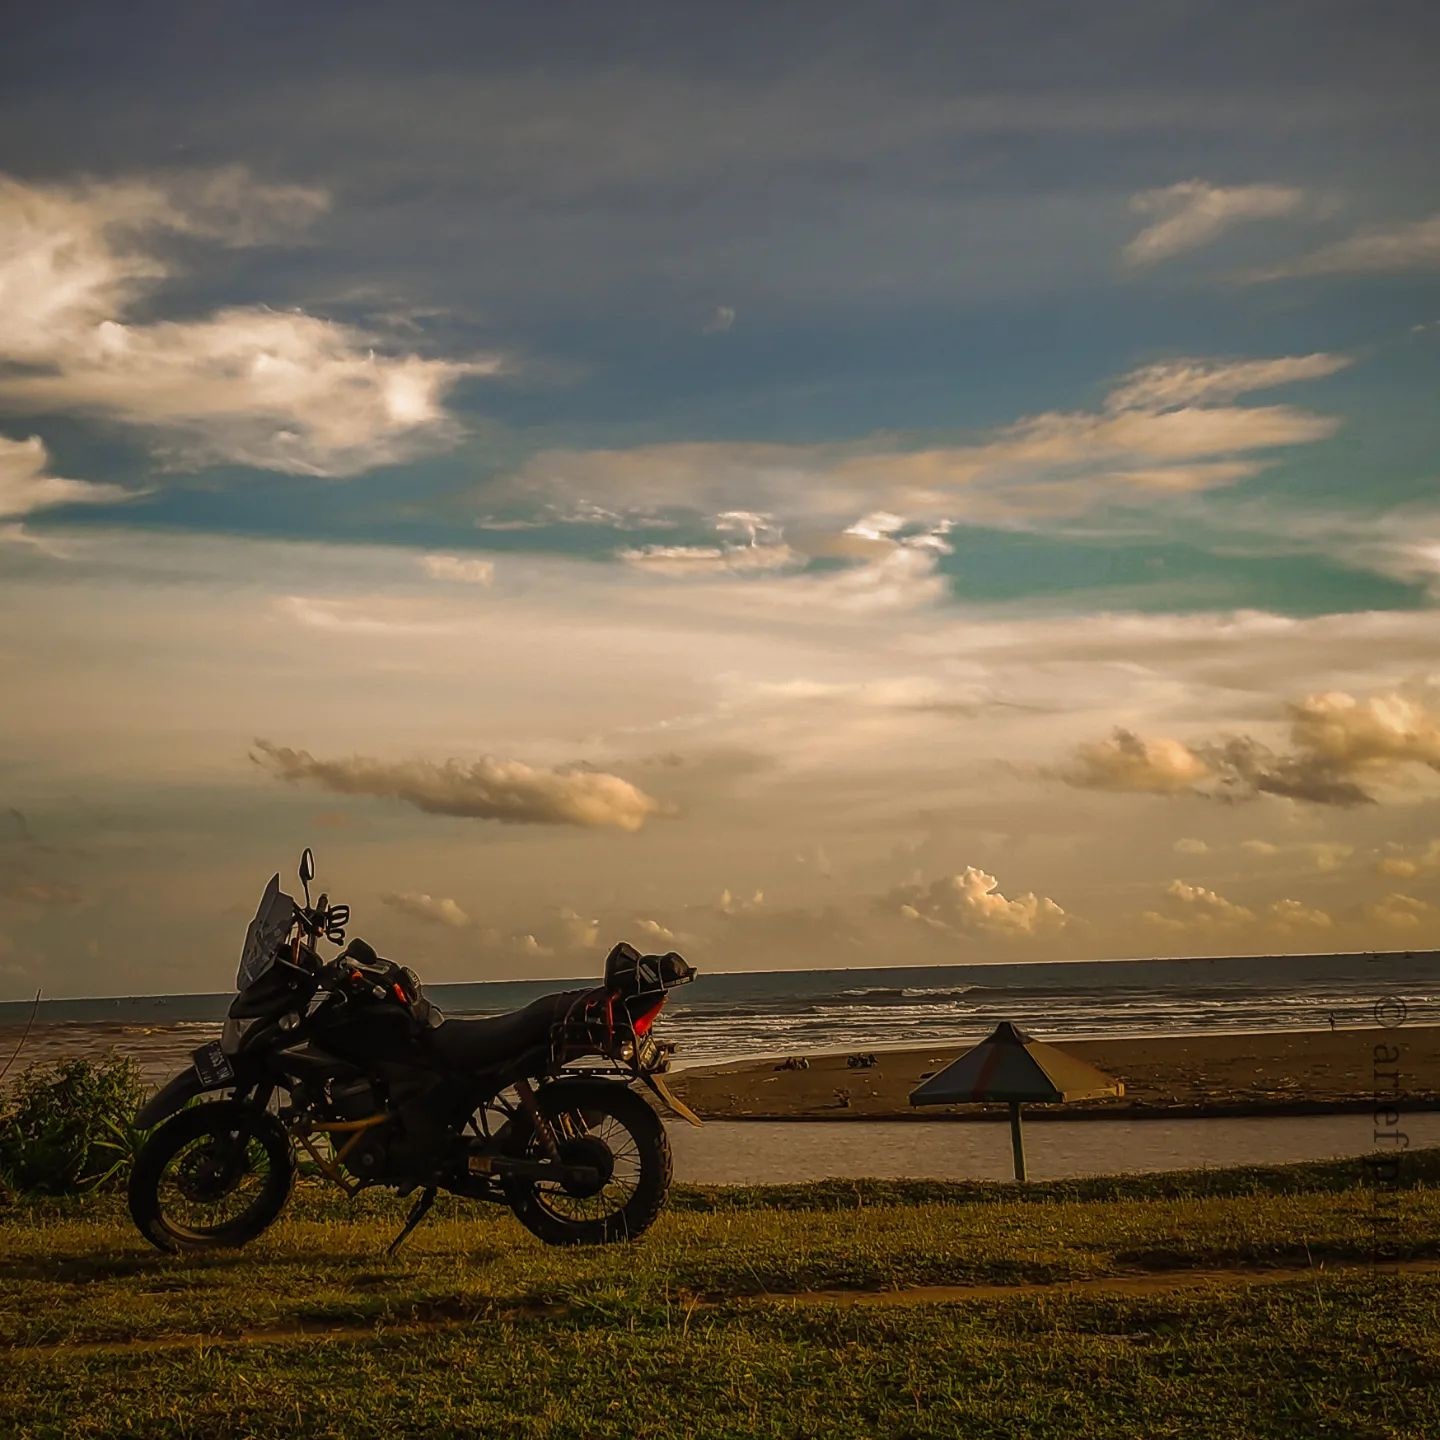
(418, 1212)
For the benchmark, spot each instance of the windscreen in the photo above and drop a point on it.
(269, 927)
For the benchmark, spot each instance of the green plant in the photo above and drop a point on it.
(69, 1126)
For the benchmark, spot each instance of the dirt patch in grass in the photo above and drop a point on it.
(442, 1315)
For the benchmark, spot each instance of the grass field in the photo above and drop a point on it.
(1236, 1303)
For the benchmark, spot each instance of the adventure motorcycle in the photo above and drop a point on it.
(346, 1061)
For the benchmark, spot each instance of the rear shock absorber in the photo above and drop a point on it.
(542, 1126)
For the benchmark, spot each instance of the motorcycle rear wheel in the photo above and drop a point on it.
(211, 1178)
(608, 1126)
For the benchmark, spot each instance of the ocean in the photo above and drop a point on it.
(732, 1016)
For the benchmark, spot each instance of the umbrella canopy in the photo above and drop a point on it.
(1009, 1065)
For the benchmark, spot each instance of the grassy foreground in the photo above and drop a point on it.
(704, 1328)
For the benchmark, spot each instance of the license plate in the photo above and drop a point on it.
(213, 1065)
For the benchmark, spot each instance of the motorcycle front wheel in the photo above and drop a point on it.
(607, 1127)
(212, 1177)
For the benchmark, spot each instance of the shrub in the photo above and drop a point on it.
(68, 1126)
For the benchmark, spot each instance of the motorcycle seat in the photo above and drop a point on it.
(481, 1044)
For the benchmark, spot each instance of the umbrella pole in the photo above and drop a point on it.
(1017, 1141)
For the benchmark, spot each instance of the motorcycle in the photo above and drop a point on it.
(347, 1063)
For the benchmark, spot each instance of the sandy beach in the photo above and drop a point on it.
(1294, 1072)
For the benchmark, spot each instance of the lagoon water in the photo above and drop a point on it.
(757, 1152)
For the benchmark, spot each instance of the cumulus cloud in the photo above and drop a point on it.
(1187, 905)
(1193, 213)
(1343, 747)
(26, 484)
(1196, 908)
(1295, 915)
(1189, 846)
(1130, 762)
(1244, 767)
(564, 932)
(1370, 734)
(720, 322)
(970, 903)
(277, 390)
(1413, 245)
(430, 909)
(487, 789)
(467, 569)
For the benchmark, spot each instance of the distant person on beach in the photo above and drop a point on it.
(1331, 1018)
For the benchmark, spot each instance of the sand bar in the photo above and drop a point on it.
(1284, 1072)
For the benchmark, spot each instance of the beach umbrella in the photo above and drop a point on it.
(1009, 1066)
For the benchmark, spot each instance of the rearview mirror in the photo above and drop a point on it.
(307, 865)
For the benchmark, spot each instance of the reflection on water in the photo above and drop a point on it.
(761, 1153)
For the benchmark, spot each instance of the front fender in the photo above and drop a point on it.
(168, 1099)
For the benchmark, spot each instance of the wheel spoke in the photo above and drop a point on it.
(626, 1164)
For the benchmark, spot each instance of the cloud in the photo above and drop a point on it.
(26, 484)
(430, 909)
(563, 933)
(1244, 767)
(1399, 912)
(721, 321)
(1126, 761)
(487, 789)
(1370, 734)
(1327, 856)
(1180, 382)
(1343, 746)
(1406, 864)
(1191, 847)
(468, 570)
(1191, 905)
(1414, 245)
(729, 904)
(1196, 908)
(1295, 915)
(970, 903)
(276, 390)
(1193, 213)
(710, 559)
(1159, 433)
(905, 576)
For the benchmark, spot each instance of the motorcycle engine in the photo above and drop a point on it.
(366, 1151)
(353, 1099)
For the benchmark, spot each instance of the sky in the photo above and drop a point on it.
(802, 484)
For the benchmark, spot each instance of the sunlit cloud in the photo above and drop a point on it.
(1380, 250)
(247, 385)
(429, 909)
(1166, 428)
(1343, 746)
(26, 484)
(1194, 213)
(467, 569)
(486, 789)
(970, 903)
